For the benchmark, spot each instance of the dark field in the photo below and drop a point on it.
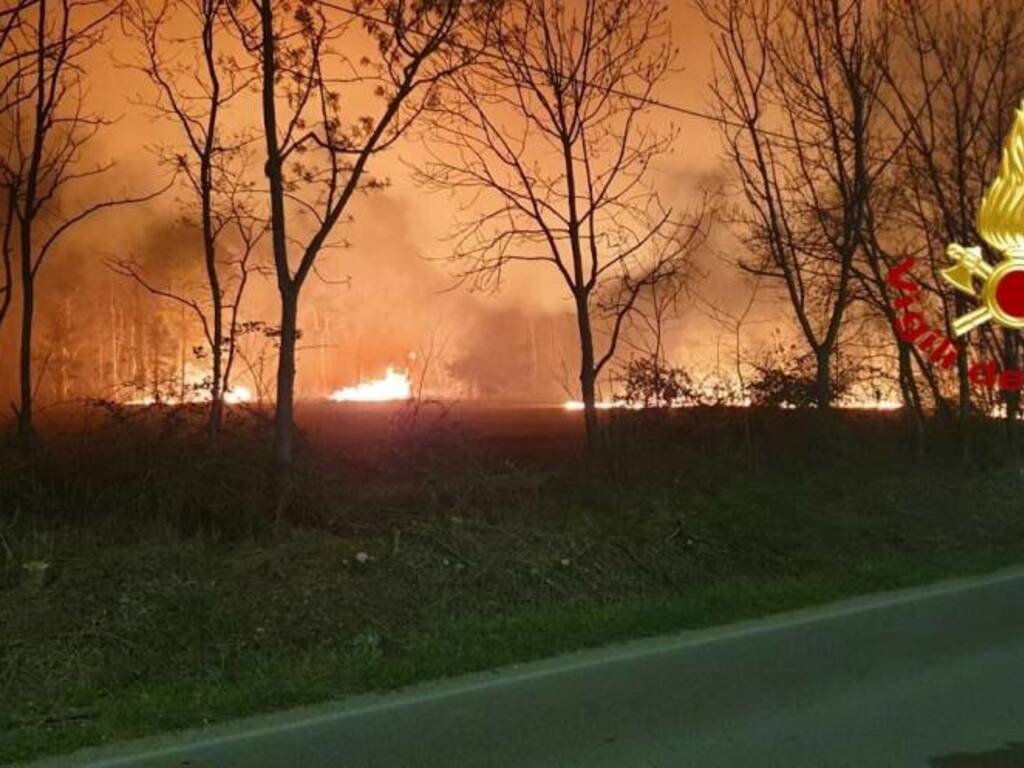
(140, 593)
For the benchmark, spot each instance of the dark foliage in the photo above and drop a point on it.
(791, 382)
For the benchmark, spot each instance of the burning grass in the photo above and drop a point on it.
(394, 386)
(432, 543)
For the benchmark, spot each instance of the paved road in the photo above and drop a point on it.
(930, 678)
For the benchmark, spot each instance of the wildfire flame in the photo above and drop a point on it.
(234, 396)
(238, 395)
(394, 386)
(601, 405)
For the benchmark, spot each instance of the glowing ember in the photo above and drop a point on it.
(601, 405)
(238, 395)
(873, 405)
(394, 386)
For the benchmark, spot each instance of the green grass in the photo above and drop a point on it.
(166, 611)
(266, 682)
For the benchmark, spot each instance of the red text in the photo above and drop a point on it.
(911, 326)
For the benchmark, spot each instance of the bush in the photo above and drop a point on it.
(788, 381)
(649, 383)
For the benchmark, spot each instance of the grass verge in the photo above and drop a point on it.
(160, 620)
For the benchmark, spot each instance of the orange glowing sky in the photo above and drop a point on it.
(397, 295)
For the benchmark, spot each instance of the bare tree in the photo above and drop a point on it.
(550, 140)
(13, 57)
(45, 156)
(655, 307)
(196, 84)
(650, 377)
(7, 252)
(238, 234)
(796, 89)
(317, 150)
(13, 60)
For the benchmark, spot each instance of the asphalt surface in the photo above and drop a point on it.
(928, 678)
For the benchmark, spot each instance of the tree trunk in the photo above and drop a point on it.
(210, 238)
(284, 417)
(964, 409)
(8, 284)
(911, 397)
(960, 307)
(588, 376)
(288, 288)
(25, 425)
(1012, 362)
(823, 378)
(964, 381)
(216, 416)
(588, 387)
(28, 275)
(182, 355)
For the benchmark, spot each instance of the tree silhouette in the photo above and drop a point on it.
(796, 92)
(49, 131)
(317, 151)
(196, 84)
(549, 140)
(13, 59)
(954, 80)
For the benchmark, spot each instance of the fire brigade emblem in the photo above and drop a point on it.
(1001, 225)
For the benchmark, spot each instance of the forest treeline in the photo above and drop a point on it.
(857, 135)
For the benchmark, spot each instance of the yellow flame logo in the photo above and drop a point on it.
(1001, 225)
